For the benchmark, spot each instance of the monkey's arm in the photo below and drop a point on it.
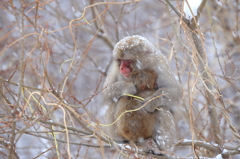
(114, 91)
(164, 97)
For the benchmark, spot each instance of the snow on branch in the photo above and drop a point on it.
(191, 8)
(203, 144)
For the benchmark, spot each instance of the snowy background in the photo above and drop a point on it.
(54, 57)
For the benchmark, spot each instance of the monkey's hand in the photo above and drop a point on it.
(116, 90)
(155, 101)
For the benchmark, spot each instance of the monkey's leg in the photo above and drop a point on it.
(132, 144)
(164, 131)
(109, 117)
(151, 147)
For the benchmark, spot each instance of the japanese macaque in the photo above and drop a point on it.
(133, 126)
(132, 56)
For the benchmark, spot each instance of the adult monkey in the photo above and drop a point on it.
(135, 53)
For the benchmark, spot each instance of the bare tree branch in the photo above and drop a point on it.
(203, 71)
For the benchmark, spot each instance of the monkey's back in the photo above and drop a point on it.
(134, 125)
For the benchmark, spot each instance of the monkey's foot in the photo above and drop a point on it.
(151, 147)
(154, 153)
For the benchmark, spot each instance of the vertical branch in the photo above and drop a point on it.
(203, 71)
(208, 83)
(17, 103)
(191, 122)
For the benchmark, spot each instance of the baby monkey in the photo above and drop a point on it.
(137, 125)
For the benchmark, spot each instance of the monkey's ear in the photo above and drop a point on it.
(142, 87)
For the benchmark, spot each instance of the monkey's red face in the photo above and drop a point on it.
(125, 67)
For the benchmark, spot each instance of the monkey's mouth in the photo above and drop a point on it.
(126, 74)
